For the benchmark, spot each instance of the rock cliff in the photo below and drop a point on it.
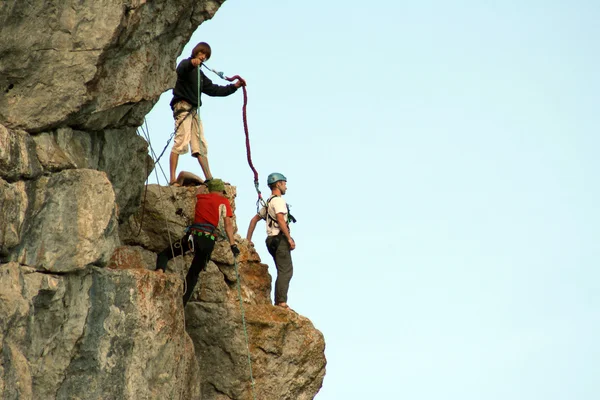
(82, 313)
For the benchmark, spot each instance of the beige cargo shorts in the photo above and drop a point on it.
(189, 130)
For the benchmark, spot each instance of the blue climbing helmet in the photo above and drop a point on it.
(275, 177)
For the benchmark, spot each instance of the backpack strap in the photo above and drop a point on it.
(273, 221)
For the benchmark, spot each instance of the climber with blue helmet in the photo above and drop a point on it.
(279, 241)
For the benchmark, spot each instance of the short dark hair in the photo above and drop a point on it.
(201, 47)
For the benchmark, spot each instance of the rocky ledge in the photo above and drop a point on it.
(83, 314)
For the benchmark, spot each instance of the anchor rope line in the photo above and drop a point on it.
(191, 112)
(246, 130)
(146, 185)
(156, 159)
(146, 134)
(239, 289)
(198, 110)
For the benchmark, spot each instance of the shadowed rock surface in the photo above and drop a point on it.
(83, 315)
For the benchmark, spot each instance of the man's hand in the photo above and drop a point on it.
(196, 62)
(292, 243)
(235, 250)
(239, 83)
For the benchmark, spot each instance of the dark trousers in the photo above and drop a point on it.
(203, 247)
(282, 255)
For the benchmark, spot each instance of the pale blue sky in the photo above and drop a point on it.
(442, 161)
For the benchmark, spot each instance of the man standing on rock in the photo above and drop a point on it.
(206, 220)
(279, 242)
(191, 82)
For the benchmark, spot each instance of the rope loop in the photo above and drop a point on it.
(244, 116)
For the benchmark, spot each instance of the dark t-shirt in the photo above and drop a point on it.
(186, 87)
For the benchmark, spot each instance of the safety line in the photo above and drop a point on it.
(147, 137)
(146, 133)
(246, 130)
(249, 158)
(239, 288)
(191, 112)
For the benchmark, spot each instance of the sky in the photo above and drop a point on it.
(442, 162)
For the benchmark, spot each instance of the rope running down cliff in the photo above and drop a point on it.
(260, 199)
(239, 290)
(249, 157)
(220, 74)
(146, 134)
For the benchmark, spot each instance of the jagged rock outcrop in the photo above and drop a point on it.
(71, 222)
(94, 334)
(287, 351)
(83, 314)
(89, 63)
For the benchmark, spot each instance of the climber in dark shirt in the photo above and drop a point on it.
(186, 99)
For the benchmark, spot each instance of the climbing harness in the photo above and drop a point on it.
(273, 221)
(260, 201)
(239, 289)
(207, 230)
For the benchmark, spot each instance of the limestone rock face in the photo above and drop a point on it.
(121, 330)
(286, 350)
(95, 334)
(121, 153)
(163, 217)
(13, 205)
(83, 314)
(73, 222)
(90, 63)
(165, 213)
(17, 155)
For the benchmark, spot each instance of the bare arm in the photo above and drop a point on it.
(284, 228)
(229, 230)
(251, 227)
(184, 178)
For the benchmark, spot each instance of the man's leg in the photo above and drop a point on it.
(203, 247)
(183, 127)
(203, 161)
(200, 146)
(173, 160)
(179, 247)
(285, 270)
